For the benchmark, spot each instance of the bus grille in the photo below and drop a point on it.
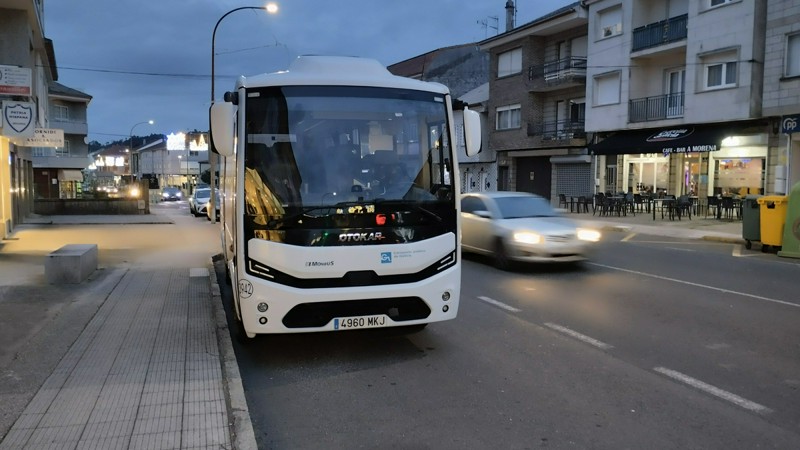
(314, 315)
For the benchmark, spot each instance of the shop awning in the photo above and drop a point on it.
(678, 139)
(70, 175)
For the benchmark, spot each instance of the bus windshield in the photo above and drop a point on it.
(315, 155)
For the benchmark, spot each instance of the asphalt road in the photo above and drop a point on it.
(655, 343)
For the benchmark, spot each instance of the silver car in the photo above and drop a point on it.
(523, 227)
(197, 202)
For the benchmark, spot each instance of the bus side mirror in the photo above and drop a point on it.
(472, 132)
(222, 133)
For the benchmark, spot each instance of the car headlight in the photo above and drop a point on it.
(586, 234)
(134, 192)
(527, 237)
(164, 194)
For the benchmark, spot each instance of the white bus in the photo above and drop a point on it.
(339, 197)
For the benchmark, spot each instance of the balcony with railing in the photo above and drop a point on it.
(668, 106)
(560, 130)
(660, 33)
(567, 72)
(70, 126)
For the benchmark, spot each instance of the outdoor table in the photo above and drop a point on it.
(664, 202)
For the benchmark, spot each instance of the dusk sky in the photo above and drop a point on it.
(152, 59)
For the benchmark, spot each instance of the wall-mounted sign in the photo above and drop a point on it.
(791, 124)
(19, 119)
(15, 80)
(44, 137)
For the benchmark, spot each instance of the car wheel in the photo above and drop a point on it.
(501, 259)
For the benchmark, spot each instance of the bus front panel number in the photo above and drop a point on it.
(351, 323)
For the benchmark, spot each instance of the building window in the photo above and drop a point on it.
(508, 117)
(793, 55)
(606, 89)
(720, 2)
(720, 75)
(509, 63)
(60, 112)
(610, 21)
(40, 152)
(63, 151)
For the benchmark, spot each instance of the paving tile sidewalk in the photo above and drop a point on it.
(145, 373)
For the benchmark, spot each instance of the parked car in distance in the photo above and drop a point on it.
(521, 227)
(171, 193)
(198, 201)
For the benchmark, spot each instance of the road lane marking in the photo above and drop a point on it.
(580, 337)
(681, 249)
(715, 391)
(499, 304)
(628, 237)
(689, 283)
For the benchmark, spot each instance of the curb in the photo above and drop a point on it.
(242, 434)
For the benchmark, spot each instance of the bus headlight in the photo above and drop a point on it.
(262, 307)
(446, 295)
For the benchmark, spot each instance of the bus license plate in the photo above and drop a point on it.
(352, 323)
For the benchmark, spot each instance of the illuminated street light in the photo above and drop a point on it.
(270, 8)
(134, 155)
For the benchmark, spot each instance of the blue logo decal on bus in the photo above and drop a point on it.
(386, 258)
(335, 324)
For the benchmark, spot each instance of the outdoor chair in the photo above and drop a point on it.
(683, 206)
(582, 204)
(562, 201)
(712, 202)
(600, 204)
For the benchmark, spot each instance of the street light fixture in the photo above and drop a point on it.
(270, 8)
(134, 155)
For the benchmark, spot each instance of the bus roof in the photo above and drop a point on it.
(338, 71)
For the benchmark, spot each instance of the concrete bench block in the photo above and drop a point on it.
(71, 263)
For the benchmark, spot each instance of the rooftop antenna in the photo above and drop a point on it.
(485, 25)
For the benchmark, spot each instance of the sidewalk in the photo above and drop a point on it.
(153, 368)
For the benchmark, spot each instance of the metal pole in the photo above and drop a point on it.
(212, 155)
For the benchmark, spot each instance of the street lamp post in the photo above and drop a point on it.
(134, 156)
(271, 8)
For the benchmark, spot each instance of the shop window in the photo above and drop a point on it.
(739, 176)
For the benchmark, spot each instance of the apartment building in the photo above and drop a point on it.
(57, 171)
(781, 98)
(675, 95)
(27, 65)
(537, 104)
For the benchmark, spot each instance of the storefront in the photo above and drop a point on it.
(696, 160)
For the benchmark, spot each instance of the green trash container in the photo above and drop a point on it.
(751, 220)
(773, 217)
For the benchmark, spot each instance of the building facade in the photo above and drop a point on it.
(28, 64)
(781, 98)
(58, 171)
(676, 97)
(537, 104)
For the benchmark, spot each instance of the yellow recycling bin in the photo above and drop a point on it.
(773, 217)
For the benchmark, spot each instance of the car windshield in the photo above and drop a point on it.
(517, 207)
(203, 193)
